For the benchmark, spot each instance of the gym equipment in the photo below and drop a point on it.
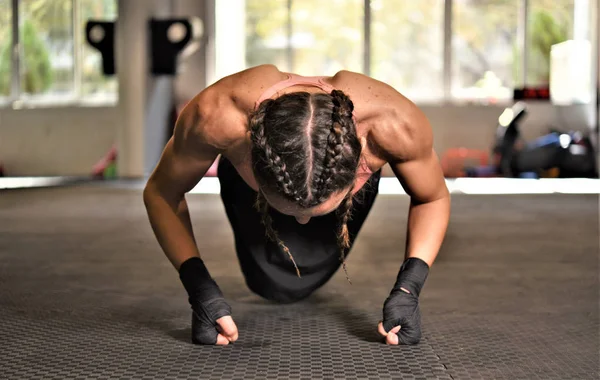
(168, 38)
(557, 154)
(101, 35)
(567, 154)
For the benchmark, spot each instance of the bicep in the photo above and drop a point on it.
(409, 149)
(177, 172)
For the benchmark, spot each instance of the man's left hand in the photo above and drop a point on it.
(401, 318)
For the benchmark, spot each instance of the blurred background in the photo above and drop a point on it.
(509, 86)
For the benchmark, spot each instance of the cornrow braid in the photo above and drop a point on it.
(273, 160)
(340, 128)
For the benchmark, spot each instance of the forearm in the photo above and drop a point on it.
(172, 227)
(183, 213)
(427, 224)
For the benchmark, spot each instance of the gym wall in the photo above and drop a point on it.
(55, 141)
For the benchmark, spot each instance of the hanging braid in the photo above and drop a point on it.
(279, 146)
(344, 213)
(263, 208)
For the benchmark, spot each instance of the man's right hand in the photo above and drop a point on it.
(211, 316)
(221, 332)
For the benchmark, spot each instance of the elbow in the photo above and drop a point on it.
(443, 194)
(446, 194)
(148, 193)
(440, 197)
(152, 191)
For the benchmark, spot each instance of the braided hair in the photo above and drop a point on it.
(305, 148)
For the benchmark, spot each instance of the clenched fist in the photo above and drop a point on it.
(401, 315)
(211, 315)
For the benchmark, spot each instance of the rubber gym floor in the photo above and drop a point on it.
(86, 293)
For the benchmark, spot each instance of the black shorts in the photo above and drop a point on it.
(267, 269)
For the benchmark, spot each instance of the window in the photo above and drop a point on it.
(5, 47)
(484, 48)
(46, 48)
(266, 37)
(407, 46)
(313, 37)
(484, 61)
(327, 36)
(549, 22)
(94, 84)
(56, 65)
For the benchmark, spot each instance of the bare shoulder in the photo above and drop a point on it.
(397, 130)
(401, 132)
(196, 125)
(211, 118)
(367, 93)
(221, 110)
(259, 78)
(246, 86)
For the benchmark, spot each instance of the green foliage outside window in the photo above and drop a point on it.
(545, 32)
(36, 71)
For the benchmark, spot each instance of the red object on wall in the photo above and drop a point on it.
(454, 160)
(531, 93)
(110, 157)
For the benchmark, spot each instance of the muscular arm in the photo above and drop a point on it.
(429, 210)
(186, 158)
(407, 143)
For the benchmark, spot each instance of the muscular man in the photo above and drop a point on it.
(299, 164)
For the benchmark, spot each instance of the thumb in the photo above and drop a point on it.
(227, 328)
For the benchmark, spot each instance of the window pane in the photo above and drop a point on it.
(484, 47)
(322, 42)
(266, 33)
(407, 46)
(5, 46)
(327, 36)
(46, 30)
(550, 22)
(94, 84)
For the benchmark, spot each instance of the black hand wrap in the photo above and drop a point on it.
(208, 303)
(401, 308)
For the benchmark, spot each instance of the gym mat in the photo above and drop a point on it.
(86, 293)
